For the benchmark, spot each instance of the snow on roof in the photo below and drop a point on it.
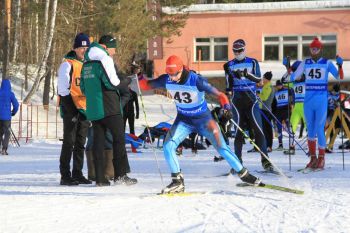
(262, 7)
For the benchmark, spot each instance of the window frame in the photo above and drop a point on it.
(211, 45)
(299, 42)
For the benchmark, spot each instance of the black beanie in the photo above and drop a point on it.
(109, 41)
(268, 75)
(81, 40)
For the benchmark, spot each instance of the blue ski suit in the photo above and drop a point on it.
(193, 115)
(315, 102)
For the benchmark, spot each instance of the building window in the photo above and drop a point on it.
(296, 47)
(211, 49)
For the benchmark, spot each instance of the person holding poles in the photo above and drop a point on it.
(188, 91)
(297, 115)
(242, 74)
(316, 70)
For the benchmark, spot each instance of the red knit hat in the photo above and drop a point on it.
(174, 64)
(316, 43)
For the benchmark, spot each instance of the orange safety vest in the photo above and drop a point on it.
(78, 97)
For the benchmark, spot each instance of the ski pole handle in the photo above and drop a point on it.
(340, 67)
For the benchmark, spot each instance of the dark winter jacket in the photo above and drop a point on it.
(129, 109)
(7, 97)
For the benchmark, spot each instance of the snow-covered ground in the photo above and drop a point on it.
(32, 201)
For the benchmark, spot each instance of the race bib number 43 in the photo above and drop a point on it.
(184, 97)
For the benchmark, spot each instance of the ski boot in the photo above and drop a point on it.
(279, 148)
(312, 151)
(313, 162)
(179, 151)
(266, 165)
(246, 177)
(177, 185)
(329, 150)
(125, 180)
(320, 160)
(291, 151)
(4, 152)
(252, 150)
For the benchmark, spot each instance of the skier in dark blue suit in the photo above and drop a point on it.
(242, 74)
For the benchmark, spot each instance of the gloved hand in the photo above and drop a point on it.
(137, 116)
(285, 78)
(13, 113)
(229, 94)
(339, 60)
(245, 72)
(285, 61)
(227, 111)
(238, 74)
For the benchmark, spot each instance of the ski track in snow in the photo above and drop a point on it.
(31, 199)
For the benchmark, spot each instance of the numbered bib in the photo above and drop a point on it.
(184, 97)
(315, 74)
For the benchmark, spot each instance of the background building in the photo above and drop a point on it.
(271, 31)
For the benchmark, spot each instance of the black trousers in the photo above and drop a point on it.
(131, 119)
(267, 127)
(247, 112)
(5, 133)
(120, 158)
(74, 137)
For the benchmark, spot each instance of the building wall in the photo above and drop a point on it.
(252, 27)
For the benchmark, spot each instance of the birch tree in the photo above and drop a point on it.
(6, 45)
(17, 30)
(42, 67)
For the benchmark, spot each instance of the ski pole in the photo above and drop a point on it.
(148, 129)
(14, 137)
(258, 148)
(341, 76)
(278, 122)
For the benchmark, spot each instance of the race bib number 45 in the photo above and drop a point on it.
(315, 74)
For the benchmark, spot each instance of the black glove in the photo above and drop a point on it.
(137, 116)
(227, 114)
(13, 113)
(238, 74)
(245, 72)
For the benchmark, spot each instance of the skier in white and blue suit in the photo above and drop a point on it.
(188, 91)
(242, 75)
(316, 71)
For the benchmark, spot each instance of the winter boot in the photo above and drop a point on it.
(248, 178)
(4, 152)
(68, 181)
(90, 165)
(125, 180)
(320, 160)
(177, 185)
(108, 164)
(312, 153)
(79, 177)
